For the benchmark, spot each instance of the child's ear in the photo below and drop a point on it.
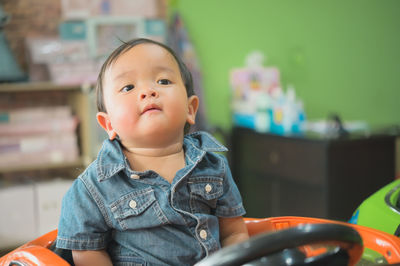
(104, 122)
(193, 105)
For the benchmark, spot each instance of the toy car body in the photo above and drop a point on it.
(381, 210)
(42, 251)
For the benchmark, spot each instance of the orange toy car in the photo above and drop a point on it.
(353, 242)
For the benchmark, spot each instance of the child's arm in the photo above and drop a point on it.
(232, 230)
(91, 257)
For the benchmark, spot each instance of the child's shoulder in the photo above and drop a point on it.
(90, 170)
(109, 161)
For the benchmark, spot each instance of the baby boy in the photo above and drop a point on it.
(153, 196)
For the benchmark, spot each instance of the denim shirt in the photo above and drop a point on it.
(142, 219)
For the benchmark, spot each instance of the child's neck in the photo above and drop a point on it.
(166, 161)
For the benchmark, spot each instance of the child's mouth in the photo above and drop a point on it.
(151, 108)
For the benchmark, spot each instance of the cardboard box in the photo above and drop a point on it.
(17, 223)
(49, 197)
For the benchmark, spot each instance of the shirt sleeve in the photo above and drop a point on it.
(230, 203)
(82, 225)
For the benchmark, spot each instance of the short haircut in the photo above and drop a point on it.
(185, 73)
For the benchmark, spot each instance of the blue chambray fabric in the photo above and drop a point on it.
(140, 218)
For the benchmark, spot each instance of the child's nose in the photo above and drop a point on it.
(148, 93)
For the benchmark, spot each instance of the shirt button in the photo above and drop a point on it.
(135, 176)
(132, 204)
(203, 234)
(208, 188)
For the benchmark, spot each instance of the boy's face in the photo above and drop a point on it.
(145, 98)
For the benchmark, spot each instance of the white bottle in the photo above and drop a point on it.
(262, 121)
(289, 111)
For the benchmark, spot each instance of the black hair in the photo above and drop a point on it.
(185, 73)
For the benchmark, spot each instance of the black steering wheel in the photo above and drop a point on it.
(280, 247)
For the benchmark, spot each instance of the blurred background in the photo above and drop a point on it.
(304, 93)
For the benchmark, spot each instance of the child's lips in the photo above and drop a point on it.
(151, 108)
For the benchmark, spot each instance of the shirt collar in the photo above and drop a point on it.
(112, 160)
(204, 141)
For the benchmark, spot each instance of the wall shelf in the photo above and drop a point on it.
(76, 96)
(38, 86)
(49, 166)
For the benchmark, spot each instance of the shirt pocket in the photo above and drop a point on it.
(137, 210)
(204, 193)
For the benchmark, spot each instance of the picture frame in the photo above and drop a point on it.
(81, 10)
(105, 33)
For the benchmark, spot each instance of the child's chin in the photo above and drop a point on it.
(162, 132)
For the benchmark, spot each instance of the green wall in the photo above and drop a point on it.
(341, 56)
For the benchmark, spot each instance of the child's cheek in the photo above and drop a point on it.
(123, 118)
(179, 111)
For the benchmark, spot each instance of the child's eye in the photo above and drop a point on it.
(127, 88)
(164, 82)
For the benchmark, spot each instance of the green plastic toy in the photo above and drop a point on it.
(381, 210)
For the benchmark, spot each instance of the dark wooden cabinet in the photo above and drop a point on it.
(326, 178)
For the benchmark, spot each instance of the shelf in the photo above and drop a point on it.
(78, 97)
(41, 86)
(79, 163)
